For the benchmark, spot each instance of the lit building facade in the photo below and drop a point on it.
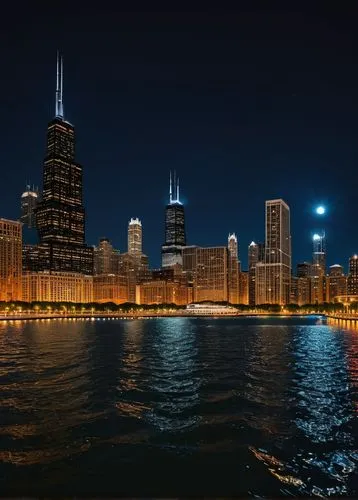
(133, 268)
(104, 257)
(60, 215)
(110, 288)
(233, 270)
(211, 273)
(274, 275)
(244, 287)
(336, 282)
(175, 235)
(29, 201)
(162, 292)
(256, 253)
(352, 281)
(10, 260)
(135, 237)
(46, 286)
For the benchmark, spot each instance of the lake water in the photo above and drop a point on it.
(178, 406)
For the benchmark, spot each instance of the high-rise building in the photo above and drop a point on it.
(103, 257)
(233, 270)
(10, 260)
(256, 253)
(304, 269)
(60, 215)
(244, 287)
(29, 200)
(319, 254)
(210, 277)
(273, 287)
(336, 282)
(175, 237)
(352, 282)
(135, 237)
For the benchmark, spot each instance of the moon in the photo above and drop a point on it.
(320, 210)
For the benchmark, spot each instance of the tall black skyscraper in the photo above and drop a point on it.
(175, 238)
(60, 216)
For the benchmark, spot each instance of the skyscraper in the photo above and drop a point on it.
(175, 238)
(273, 287)
(256, 253)
(60, 215)
(336, 282)
(352, 282)
(29, 200)
(10, 260)
(233, 270)
(103, 258)
(135, 237)
(319, 254)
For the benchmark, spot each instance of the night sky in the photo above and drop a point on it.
(246, 106)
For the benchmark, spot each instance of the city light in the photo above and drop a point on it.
(320, 210)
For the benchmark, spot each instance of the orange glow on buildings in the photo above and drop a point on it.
(48, 286)
(10, 260)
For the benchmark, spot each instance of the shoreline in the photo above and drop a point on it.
(94, 316)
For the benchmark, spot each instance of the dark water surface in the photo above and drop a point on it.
(179, 406)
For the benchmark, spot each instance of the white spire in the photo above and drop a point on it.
(178, 190)
(170, 188)
(59, 87)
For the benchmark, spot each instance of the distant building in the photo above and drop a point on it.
(104, 257)
(162, 292)
(135, 237)
(256, 253)
(29, 200)
(175, 236)
(46, 286)
(304, 270)
(274, 275)
(352, 282)
(336, 282)
(133, 268)
(10, 260)
(244, 287)
(210, 280)
(110, 288)
(233, 270)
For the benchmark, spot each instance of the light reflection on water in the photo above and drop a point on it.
(234, 406)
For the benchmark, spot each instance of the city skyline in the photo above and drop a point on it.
(198, 128)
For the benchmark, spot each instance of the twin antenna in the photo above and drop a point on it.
(173, 188)
(59, 87)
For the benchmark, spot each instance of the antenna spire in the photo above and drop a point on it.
(59, 86)
(178, 189)
(170, 187)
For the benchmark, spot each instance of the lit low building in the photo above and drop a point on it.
(162, 292)
(346, 299)
(46, 286)
(10, 260)
(110, 288)
(210, 309)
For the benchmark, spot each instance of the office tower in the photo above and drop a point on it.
(256, 253)
(304, 273)
(304, 269)
(319, 254)
(29, 200)
(135, 237)
(210, 279)
(244, 287)
(318, 269)
(175, 238)
(336, 282)
(52, 286)
(352, 282)
(60, 215)
(233, 270)
(103, 257)
(273, 285)
(10, 260)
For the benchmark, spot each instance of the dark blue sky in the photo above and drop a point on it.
(246, 106)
